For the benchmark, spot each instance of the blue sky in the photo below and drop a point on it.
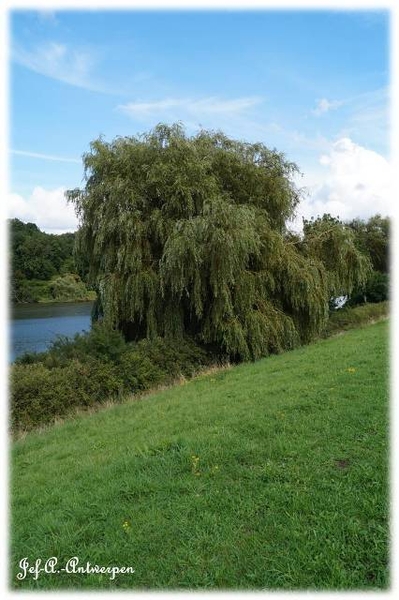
(313, 84)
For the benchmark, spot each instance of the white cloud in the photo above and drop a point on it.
(47, 208)
(44, 156)
(356, 182)
(323, 105)
(58, 61)
(188, 107)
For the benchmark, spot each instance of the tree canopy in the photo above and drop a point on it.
(187, 235)
(39, 255)
(42, 266)
(372, 237)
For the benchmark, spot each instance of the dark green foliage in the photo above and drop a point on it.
(140, 373)
(68, 287)
(39, 394)
(187, 235)
(24, 290)
(351, 317)
(376, 289)
(175, 360)
(30, 358)
(372, 237)
(43, 267)
(38, 255)
(100, 342)
(334, 243)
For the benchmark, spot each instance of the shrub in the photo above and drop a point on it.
(94, 381)
(30, 358)
(139, 372)
(148, 363)
(93, 367)
(375, 290)
(39, 394)
(348, 318)
(68, 287)
(100, 342)
(175, 359)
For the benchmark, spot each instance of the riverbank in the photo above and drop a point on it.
(100, 366)
(91, 296)
(60, 288)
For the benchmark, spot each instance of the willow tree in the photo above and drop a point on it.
(186, 235)
(336, 245)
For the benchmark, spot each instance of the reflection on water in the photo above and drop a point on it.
(34, 326)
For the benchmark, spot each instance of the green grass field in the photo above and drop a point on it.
(270, 475)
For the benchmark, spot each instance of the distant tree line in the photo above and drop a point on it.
(42, 265)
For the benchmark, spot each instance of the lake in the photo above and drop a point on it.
(34, 326)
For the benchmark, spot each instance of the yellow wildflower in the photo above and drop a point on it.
(126, 525)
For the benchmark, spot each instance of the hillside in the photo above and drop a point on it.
(269, 475)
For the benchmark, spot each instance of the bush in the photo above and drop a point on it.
(33, 290)
(91, 368)
(348, 318)
(376, 290)
(95, 381)
(175, 360)
(68, 287)
(100, 342)
(39, 394)
(30, 358)
(139, 372)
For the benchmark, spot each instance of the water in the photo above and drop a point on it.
(35, 326)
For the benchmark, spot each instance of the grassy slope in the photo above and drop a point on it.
(289, 489)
